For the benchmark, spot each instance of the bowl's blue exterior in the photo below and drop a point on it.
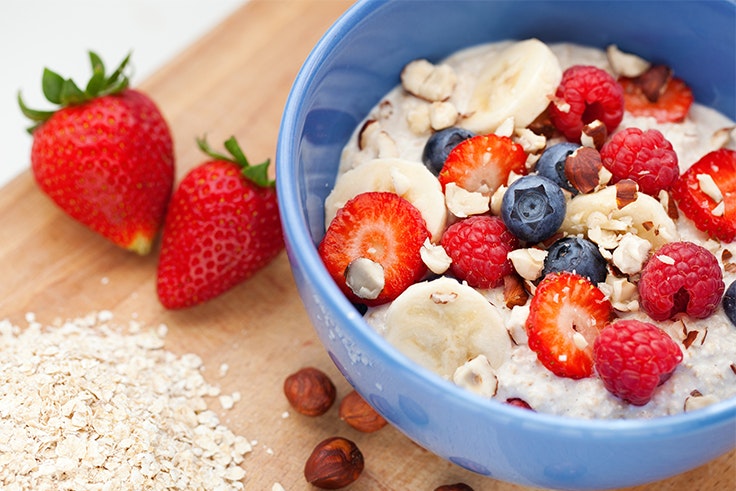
(352, 66)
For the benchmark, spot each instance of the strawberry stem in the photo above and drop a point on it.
(65, 92)
(257, 174)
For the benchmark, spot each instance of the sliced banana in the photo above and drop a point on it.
(441, 324)
(518, 84)
(643, 216)
(410, 180)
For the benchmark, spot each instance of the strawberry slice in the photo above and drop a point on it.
(383, 228)
(566, 314)
(658, 94)
(483, 163)
(713, 214)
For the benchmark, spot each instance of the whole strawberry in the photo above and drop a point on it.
(221, 227)
(104, 156)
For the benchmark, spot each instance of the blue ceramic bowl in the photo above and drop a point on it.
(352, 66)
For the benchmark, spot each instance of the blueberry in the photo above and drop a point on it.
(729, 302)
(576, 255)
(533, 208)
(440, 144)
(361, 308)
(551, 164)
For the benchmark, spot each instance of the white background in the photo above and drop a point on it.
(58, 34)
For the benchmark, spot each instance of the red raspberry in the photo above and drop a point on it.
(633, 358)
(681, 277)
(585, 94)
(478, 247)
(642, 156)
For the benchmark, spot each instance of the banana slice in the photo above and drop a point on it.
(441, 324)
(641, 214)
(410, 180)
(518, 83)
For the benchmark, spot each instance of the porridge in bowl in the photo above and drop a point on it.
(549, 226)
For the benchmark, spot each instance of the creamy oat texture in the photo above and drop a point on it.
(87, 405)
(399, 126)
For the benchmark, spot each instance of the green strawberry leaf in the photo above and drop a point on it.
(96, 62)
(112, 80)
(65, 92)
(98, 79)
(71, 94)
(231, 145)
(257, 174)
(205, 147)
(34, 115)
(51, 83)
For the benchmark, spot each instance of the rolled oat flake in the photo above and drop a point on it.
(85, 405)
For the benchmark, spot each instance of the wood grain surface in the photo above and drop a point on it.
(233, 81)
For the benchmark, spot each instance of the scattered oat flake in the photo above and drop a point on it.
(90, 406)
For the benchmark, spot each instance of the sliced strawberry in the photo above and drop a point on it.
(483, 163)
(384, 228)
(566, 314)
(657, 94)
(697, 202)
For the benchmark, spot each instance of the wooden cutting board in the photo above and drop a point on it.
(233, 81)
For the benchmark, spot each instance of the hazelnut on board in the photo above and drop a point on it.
(310, 391)
(356, 412)
(334, 463)
(460, 486)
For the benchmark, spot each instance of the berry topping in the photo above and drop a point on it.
(585, 94)
(478, 247)
(576, 255)
(633, 358)
(681, 277)
(533, 208)
(645, 157)
(565, 315)
(729, 302)
(706, 194)
(376, 228)
(551, 164)
(440, 144)
(657, 94)
(483, 163)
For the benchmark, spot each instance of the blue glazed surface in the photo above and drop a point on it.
(353, 65)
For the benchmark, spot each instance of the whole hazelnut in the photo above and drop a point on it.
(310, 391)
(334, 463)
(356, 412)
(460, 486)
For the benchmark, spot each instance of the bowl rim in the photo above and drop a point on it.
(304, 254)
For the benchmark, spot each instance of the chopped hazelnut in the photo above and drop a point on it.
(427, 81)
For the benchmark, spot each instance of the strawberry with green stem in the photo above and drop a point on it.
(221, 227)
(105, 155)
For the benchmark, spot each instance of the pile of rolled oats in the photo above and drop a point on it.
(86, 405)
